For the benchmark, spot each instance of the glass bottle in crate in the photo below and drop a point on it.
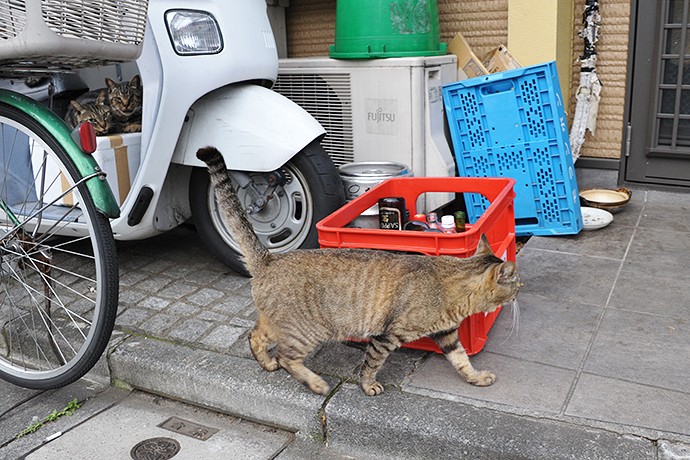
(391, 213)
(460, 220)
(417, 223)
(432, 221)
(448, 224)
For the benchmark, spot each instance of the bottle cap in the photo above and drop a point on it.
(448, 221)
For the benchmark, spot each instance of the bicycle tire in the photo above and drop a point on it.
(58, 264)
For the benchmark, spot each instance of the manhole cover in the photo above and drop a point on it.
(155, 449)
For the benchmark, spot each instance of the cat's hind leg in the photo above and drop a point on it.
(291, 355)
(455, 353)
(260, 339)
(378, 350)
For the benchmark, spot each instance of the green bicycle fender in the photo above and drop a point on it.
(86, 165)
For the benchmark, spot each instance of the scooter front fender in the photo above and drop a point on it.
(255, 128)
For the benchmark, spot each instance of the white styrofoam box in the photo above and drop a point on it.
(119, 156)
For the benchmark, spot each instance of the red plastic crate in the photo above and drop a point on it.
(497, 223)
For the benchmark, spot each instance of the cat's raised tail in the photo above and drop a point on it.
(255, 255)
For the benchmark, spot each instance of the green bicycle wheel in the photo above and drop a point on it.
(58, 264)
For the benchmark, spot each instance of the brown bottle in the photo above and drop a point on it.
(459, 221)
(391, 213)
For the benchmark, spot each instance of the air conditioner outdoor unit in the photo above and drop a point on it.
(378, 110)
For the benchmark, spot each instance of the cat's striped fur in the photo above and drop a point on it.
(92, 110)
(116, 108)
(307, 297)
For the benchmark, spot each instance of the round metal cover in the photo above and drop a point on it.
(373, 170)
(155, 449)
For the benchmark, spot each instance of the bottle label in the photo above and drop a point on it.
(390, 219)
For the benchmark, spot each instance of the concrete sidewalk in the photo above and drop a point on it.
(598, 369)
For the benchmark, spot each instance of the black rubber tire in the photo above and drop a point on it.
(99, 258)
(326, 195)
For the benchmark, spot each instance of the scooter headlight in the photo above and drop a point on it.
(193, 32)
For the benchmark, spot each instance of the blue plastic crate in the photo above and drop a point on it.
(512, 124)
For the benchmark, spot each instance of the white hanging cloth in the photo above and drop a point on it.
(589, 92)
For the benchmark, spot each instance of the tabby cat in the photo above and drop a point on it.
(95, 112)
(117, 111)
(307, 297)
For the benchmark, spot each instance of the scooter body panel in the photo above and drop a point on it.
(255, 128)
(173, 83)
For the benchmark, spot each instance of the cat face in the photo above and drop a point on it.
(96, 113)
(502, 274)
(125, 98)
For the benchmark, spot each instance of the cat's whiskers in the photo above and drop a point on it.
(515, 312)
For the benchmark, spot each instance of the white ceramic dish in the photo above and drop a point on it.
(594, 218)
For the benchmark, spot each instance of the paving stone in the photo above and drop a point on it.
(159, 323)
(178, 290)
(231, 282)
(515, 382)
(158, 266)
(642, 348)
(155, 303)
(232, 304)
(131, 296)
(202, 276)
(562, 276)
(618, 401)
(182, 309)
(206, 296)
(223, 337)
(545, 324)
(645, 287)
(190, 330)
(242, 322)
(133, 317)
(154, 284)
(130, 278)
(673, 451)
(213, 316)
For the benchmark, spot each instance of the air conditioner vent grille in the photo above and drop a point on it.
(328, 98)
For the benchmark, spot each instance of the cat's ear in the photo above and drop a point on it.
(505, 273)
(102, 98)
(483, 247)
(76, 105)
(110, 83)
(135, 82)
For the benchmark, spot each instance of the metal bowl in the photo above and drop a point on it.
(607, 199)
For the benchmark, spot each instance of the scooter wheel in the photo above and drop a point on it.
(312, 191)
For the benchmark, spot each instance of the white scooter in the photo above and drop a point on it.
(206, 74)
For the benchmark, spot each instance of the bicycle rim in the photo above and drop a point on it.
(58, 267)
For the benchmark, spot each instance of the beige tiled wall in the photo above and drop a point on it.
(311, 30)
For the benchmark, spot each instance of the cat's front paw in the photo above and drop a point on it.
(372, 389)
(482, 378)
(319, 386)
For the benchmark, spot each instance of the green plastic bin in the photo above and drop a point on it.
(367, 29)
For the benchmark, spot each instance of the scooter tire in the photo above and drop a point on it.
(325, 195)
